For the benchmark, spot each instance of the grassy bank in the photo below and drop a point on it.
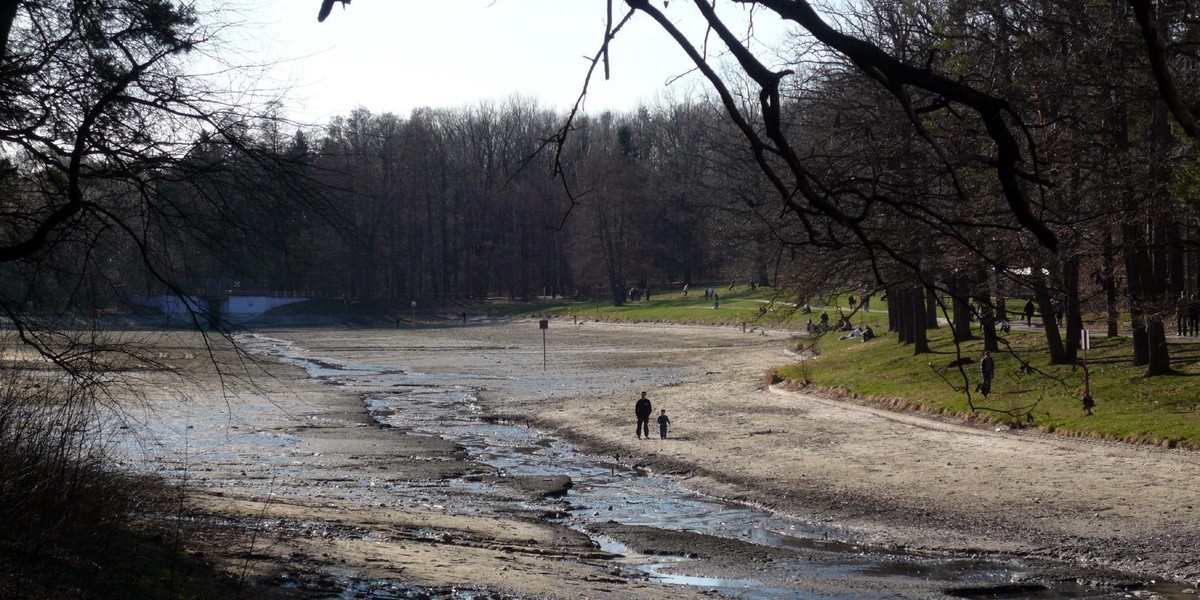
(1129, 407)
(734, 307)
(1027, 391)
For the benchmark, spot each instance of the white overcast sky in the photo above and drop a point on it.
(397, 55)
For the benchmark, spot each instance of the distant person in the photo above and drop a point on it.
(850, 300)
(824, 321)
(685, 288)
(642, 409)
(988, 366)
(1029, 310)
(663, 422)
(868, 334)
(1193, 315)
(716, 300)
(464, 318)
(1181, 314)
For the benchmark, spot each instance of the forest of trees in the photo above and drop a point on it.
(461, 203)
(948, 152)
(971, 150)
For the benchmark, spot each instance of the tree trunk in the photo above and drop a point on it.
(930, 301)
(1109, 281)
(962, 309)
(920, 339)
(931, 307)
(8, 14)
(893, 314)
(899, 299)
(1074, 320)
(1156, 341)
(987, 316)
(1058, 354)
(1152, 256)
(618, 294)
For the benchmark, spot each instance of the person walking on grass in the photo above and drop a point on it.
(663, 422)
(642, 409)
(988, 367)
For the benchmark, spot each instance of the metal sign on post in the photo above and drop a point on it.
(1085, 340)
(543, 325)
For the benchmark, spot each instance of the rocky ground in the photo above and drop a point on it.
(330, 500)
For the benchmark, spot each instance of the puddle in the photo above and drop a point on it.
(445, 406)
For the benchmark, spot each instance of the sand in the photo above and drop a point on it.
(303, 467)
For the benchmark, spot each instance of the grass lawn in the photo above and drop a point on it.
(1128, 406)
(735, 306)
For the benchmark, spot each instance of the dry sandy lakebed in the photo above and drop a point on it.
(461, 461)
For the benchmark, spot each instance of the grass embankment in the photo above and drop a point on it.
(734, 307)
(1130, 407)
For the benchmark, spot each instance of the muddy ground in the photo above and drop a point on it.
(329, 500)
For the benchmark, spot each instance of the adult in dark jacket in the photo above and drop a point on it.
(642, 409)
(988, 368)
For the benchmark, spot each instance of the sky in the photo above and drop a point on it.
(397, 55)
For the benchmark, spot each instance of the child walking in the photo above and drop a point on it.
(663, 422)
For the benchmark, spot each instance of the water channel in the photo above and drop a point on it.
(603, 490)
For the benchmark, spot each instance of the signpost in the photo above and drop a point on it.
(543, 325)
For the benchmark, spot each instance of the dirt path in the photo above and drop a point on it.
(898, 479)
(346, 495)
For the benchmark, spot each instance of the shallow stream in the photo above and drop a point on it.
(603, 490)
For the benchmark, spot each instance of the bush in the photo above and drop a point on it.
(69, 525)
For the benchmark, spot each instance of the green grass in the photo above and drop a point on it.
(736, 306)
(1129, 406)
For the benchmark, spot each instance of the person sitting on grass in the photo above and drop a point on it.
(868, 334)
